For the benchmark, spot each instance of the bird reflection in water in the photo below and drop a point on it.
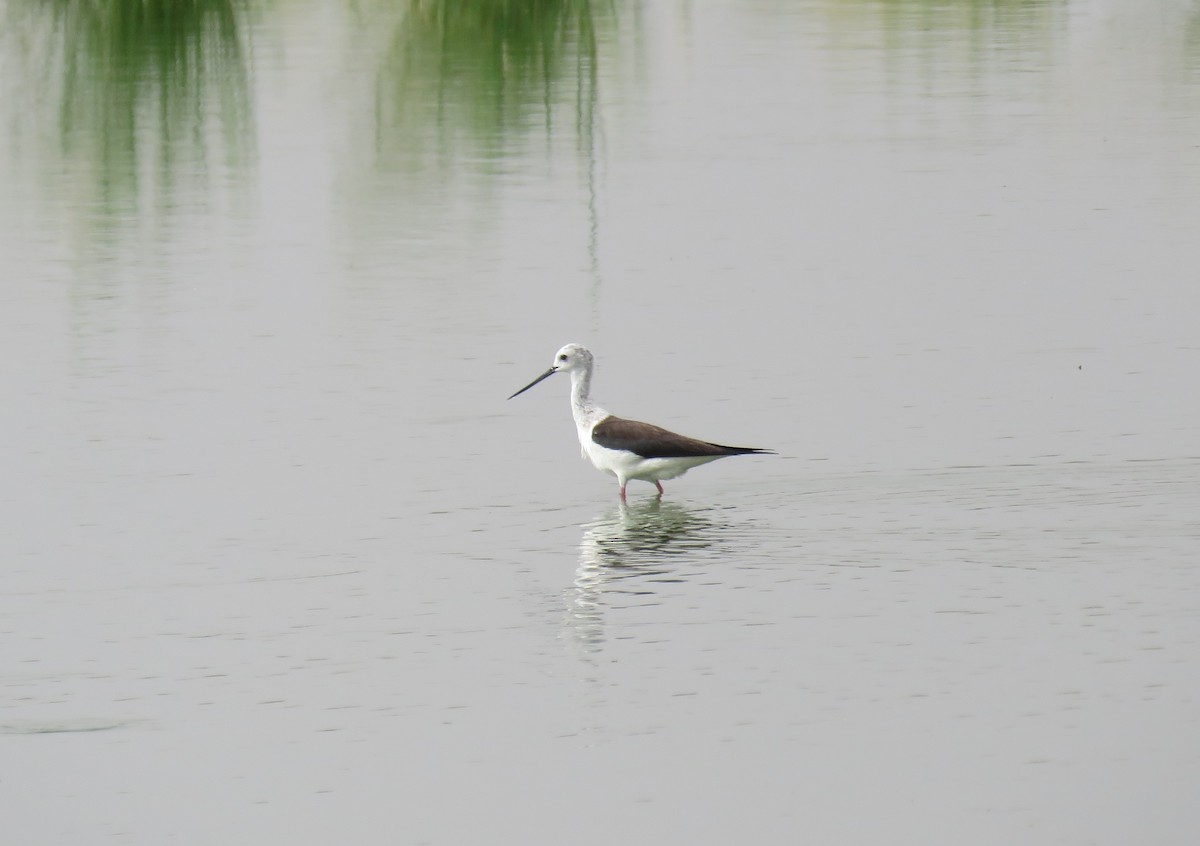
(624, 559)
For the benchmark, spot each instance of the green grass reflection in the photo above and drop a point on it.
(458, 72)
(137, 92)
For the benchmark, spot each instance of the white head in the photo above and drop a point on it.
(573, 358)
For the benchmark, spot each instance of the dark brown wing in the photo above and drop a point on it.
(650, 441)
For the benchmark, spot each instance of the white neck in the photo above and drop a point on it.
(583, 409)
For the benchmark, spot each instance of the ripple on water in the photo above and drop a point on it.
(73, 726)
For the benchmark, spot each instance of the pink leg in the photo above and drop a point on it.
(623, 493)
(658, 485)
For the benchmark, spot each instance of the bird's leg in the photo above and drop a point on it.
(623, 493)
(658, 485)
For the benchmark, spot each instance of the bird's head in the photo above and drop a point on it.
(571, 358)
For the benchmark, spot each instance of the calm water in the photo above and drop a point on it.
(281, 564)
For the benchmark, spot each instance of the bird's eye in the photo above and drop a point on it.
(562, 357)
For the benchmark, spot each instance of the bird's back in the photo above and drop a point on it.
(650, 441)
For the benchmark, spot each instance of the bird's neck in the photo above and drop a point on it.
(582, 406)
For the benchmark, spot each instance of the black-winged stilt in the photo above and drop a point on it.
(628, 449)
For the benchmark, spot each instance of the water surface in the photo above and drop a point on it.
(282, 564)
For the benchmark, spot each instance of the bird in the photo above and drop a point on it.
(628, 449)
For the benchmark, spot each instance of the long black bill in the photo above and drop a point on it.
(545, 375)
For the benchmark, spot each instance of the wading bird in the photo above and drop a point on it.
(628, 449)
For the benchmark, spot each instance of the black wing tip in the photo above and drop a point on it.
(747, 450)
